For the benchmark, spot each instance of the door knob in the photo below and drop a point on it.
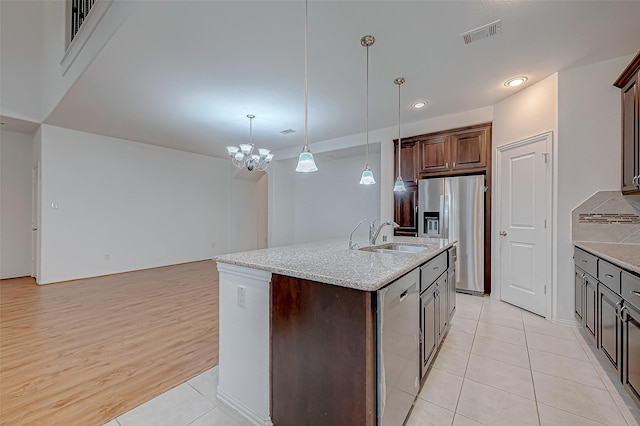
(503, 233)
(34, 229)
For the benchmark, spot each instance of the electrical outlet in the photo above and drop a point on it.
(242, 296)
(107, 256)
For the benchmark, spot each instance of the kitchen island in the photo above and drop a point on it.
(299, 329)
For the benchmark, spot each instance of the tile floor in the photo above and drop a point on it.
(498, 365)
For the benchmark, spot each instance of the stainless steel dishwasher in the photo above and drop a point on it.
(398, 349)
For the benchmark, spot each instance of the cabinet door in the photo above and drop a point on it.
(443, 310)
(451, 290)
(579, 293)
(408, 160)
(405, 213)
(429, 327)
(434, 154)
(590, 305)
(631, 353)
(630, 146)
(609, 326)
(469, 150)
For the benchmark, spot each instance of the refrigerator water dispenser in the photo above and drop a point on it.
(431, 224)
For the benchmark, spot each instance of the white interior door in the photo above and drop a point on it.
(524, 227)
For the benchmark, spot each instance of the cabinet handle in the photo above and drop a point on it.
(635, 293)
(403, 295)
(454, 164)
(617, 309)
(583, 260)
(446, 165)
(435, 268)
(608, 275)
(623, 316)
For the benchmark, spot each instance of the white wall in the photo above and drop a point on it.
(529, 112)
(281, 203)
(20, 68)
(589, 126)
(144, 205)
(262, 198)
(331, 201)
(243, 215)
(16, 162)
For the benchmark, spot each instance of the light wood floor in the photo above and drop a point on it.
(83, 352)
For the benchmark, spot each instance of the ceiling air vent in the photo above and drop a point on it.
(482, 32)
(287, 131)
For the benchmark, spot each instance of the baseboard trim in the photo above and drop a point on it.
(570, 323)
(245, 411)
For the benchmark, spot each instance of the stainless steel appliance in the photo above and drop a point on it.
(453, 208)
(398, 349)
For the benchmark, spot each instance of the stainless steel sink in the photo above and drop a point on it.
(395, 248)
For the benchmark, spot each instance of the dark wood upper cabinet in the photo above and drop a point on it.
(629, 82)
(463, 150)
(434, 154)
(469, 149)
(409, 160)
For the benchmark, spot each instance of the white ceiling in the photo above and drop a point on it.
(184, 74)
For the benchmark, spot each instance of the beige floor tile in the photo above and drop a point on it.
(558, 346)
(499, 332)
(451, 360)
(460, 420)
(627, 407)
(458, 340)
(427, 414)
(535, 324)
(511, 320)
(464, 324)
(593, 403)
(207, 384)
(441, 388)
(492, 406)
(498, 374)
(501, 351)
(565, 368)
(606, 373)
(468, 311)
(500, 307)
(550, 416)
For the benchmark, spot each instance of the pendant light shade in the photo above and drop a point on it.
(367, 174)
(399, 185)
(306, 163)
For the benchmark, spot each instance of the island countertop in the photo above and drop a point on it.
(332, 262)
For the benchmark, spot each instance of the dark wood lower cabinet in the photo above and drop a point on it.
(631, 351)
(590, 305)
(429, 327)
(323, 354)
(579, 294)
(609, 327)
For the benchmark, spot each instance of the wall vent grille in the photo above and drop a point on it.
(287, 131)
(482, 32)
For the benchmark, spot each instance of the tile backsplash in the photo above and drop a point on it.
(606, 217)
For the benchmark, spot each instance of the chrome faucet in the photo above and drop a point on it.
(352, 245)
(373, 235)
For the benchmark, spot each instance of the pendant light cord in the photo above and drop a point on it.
(306, 71)
(399, 140)
(367, 107)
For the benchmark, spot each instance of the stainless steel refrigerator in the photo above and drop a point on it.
(453, 208)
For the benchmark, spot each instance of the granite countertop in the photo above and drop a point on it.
(332, 262)
(624, 255)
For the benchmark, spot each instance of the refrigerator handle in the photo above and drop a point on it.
(445, 216)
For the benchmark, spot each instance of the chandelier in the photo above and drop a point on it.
(244, 156)
(367, 174)
(399, 185)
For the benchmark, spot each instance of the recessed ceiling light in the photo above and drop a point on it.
(419, 104)
(516, 81)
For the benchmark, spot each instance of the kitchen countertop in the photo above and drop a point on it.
(624, 255)
(332, 262)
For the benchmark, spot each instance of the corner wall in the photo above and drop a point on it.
(142, 205)
(16, 163)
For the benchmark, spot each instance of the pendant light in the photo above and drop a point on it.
(399, 186)
(306, 164)
(367, 174)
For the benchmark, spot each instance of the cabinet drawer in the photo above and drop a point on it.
(432, 270)
(631, 288)
(609, 275)
(585, 261)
